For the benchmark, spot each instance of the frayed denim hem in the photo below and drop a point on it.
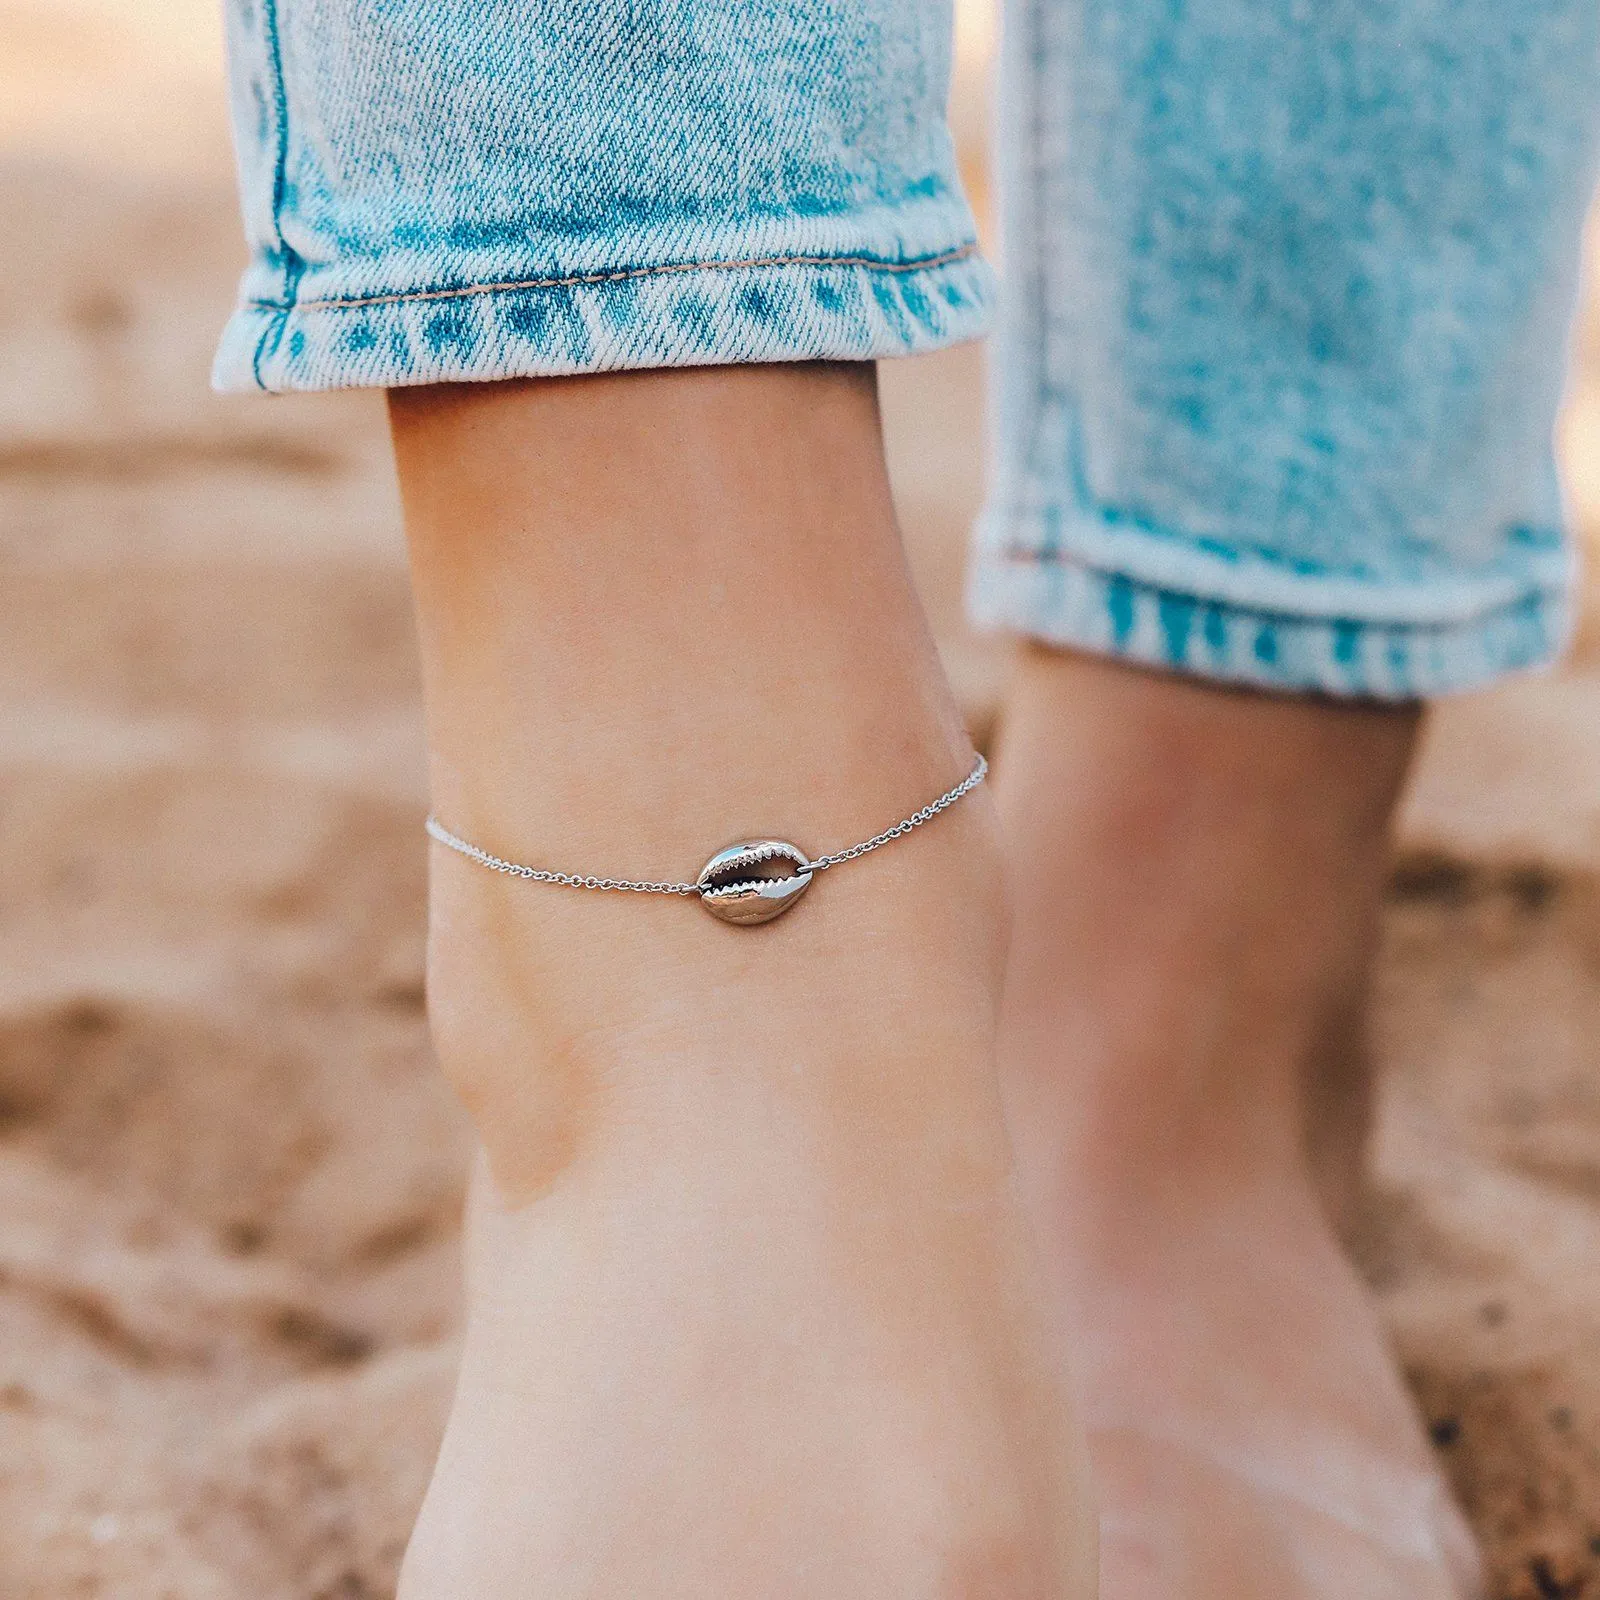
(779, 308)
(1060, 598)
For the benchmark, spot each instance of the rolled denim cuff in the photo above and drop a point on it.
(1278, 373)
(849, 304)
(503, 190)
(1270, 629)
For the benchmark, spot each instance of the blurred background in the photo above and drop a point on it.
(228, 1177)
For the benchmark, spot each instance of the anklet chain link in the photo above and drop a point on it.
(742, 900)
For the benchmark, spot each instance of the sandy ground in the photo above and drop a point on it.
(228, 1176)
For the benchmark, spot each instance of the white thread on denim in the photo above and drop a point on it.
(578, 280)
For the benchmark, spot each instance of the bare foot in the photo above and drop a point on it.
(1249, 1432)
(753, 1312)
(1196, 876)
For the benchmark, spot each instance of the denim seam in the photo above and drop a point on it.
(1065, 558)
(1036, 117)
(1050, 548)
(577, 280)
(293, 266)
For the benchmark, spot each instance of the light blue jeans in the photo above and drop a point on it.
(1286, 282)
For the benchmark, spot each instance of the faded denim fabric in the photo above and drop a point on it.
(1287, 281)
(461, 189)
(1288, 286)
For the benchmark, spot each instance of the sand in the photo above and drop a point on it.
(229, 1178)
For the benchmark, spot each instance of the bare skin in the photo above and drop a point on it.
(1196, 875)
(753, 1310)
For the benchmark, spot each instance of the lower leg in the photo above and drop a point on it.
(751, 1309)
(1233, 846)
(1196, 875)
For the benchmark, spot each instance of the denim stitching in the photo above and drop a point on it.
(293, 266)
(1015, 556)
(353, 302)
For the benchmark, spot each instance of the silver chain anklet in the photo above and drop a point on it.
(745, 884)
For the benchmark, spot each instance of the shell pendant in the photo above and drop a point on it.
(747, 883)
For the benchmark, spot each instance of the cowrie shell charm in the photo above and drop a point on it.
(736, 886)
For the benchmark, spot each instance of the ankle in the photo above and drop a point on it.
(609, 1027)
